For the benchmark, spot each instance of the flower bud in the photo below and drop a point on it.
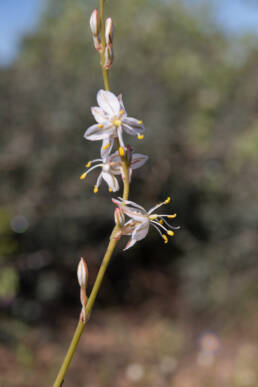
(82, 273)
(109, 56)
(97, 43)
(109, 31)
(95, 22)
(119, 217)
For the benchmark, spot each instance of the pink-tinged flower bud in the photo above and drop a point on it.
(109, 56)
(95, 22)
(82, 273)
(109, 31)
(119, 217)
(97, 43)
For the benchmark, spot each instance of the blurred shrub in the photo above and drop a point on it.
(199, 106)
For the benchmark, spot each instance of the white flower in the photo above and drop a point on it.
(111, 166)
(112, 120)
(138, 225)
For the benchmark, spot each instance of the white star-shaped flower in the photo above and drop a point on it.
(112, 120)
(111, 166)
(138, 225)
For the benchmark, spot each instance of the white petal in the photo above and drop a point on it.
(94, 132)
(108, 102)
(105, 151)
(132, 126)
(122, 106)
(133, 204)
(99, 114)
(141, 230)
(138, 160)
(130, 244)
(120, 136)
(111, 181)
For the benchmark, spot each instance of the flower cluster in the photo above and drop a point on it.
(112, 122)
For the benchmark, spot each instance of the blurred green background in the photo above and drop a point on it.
(181, 315)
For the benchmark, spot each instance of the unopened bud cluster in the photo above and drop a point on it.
(108, 44)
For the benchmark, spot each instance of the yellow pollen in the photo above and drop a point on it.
(106, 146)
(117, 122)
(172, 216)
(140, 122)
(88, 164)
(95, 190)
(161, 221)
(122, 112)
(167, 200)
(140, 136)
(100, 126)
(170, 232)
(83, 175)
(121, 151)
(153, 217)
(165, 238)
(110, 189)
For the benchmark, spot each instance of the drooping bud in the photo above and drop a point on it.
(109, 31)
(109, 56)
(129, 154)
(119, 217)
(82, 273)
(95, 22)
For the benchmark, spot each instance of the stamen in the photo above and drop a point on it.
(171, 216)
(88, 164)
(100, 126)
(140, 122)
(95, 190)
(106, 146)
(170, 232)
(121, 151)
(165, 238)
(117, 122)
(83, 175)
(122, 112)
(110, 189)
(161, 221)
(169, 225)
(140, 136)
(167, 200)
(153, 217)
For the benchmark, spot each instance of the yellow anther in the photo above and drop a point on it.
(165, 238)
(140, 122)
(121, 151)
(100, 126)
(117, 122)
(83, 175)
(161, 221)
(167, 200)
(171, 216)
(106, 146)
(122, 112)
(88, 164)
(95, 190)
(140, 136)
(110, 189)
(170, 232)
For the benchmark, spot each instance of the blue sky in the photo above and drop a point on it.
(20, 16)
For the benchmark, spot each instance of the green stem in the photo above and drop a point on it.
(112, 244)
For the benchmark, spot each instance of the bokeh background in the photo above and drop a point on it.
(181, 315)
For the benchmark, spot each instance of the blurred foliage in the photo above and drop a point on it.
(198, 100)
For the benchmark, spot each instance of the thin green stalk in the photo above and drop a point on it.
(112, 244)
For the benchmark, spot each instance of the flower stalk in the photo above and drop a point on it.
(112, 122)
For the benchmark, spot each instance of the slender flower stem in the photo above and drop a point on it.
(112, 243)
